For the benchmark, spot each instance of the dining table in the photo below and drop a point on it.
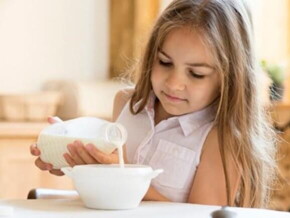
(74, 208)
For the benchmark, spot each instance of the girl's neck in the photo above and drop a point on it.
(160, 113)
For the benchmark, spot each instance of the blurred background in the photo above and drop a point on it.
(62, 57)
(69, 45)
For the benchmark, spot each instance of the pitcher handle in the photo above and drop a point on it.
(155, 173)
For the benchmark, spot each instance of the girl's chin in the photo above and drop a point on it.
(173, 111)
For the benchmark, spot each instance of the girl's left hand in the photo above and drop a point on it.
(80, 154)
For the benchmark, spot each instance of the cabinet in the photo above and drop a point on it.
(281, 193)
(18, 174)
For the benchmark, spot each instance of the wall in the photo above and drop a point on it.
(52, 39)
(164, 4)
(271, 19)
(271, 29)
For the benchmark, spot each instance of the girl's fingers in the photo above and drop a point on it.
(34, 150)
(56, 172)
(69, 160)
(83, 154)
(100, 156)
(74, 154)
(42, 165)
(52, 120)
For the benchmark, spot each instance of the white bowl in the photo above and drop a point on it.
(110, 186)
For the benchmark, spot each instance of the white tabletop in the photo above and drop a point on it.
(74, 208)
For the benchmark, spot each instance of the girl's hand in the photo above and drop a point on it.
(80, 154)
(36, 152)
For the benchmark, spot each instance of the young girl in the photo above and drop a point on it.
(196, 111)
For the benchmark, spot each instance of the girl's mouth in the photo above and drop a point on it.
(173, 98)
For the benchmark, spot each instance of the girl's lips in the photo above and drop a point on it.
(173, 98)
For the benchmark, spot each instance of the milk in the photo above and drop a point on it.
(106, 136)
(115, 139)
(120, 153)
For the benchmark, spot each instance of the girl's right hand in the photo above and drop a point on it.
(36, 152)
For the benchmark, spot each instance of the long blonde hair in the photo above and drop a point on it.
(244, 130)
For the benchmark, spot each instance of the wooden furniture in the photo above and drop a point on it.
(74, 208)
(130, 23)
(281, 193)
(18, 174)
(281, 115)
(36, 106)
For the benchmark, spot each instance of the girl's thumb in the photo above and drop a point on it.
(52, 120)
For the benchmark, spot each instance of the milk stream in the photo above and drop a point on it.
(119, 146)
(116, 134)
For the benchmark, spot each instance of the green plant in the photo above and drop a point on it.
(275, 72)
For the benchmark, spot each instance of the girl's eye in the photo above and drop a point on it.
(165, 64)
(197, 76)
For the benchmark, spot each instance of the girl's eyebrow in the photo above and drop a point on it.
(162, 52)
(200, 65)
(190, 64)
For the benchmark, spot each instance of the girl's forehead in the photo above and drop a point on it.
(188, 43)
(184, 35)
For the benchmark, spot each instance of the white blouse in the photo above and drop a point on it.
(173, 145)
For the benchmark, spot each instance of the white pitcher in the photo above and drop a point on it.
(53, 140)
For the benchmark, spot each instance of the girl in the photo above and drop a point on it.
(196, 111)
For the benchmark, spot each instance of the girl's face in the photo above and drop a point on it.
(183, 75)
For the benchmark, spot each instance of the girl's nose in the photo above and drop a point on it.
(175, 82)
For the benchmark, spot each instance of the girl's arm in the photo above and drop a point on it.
(153, 195)
(121, 98)
(209, 186)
